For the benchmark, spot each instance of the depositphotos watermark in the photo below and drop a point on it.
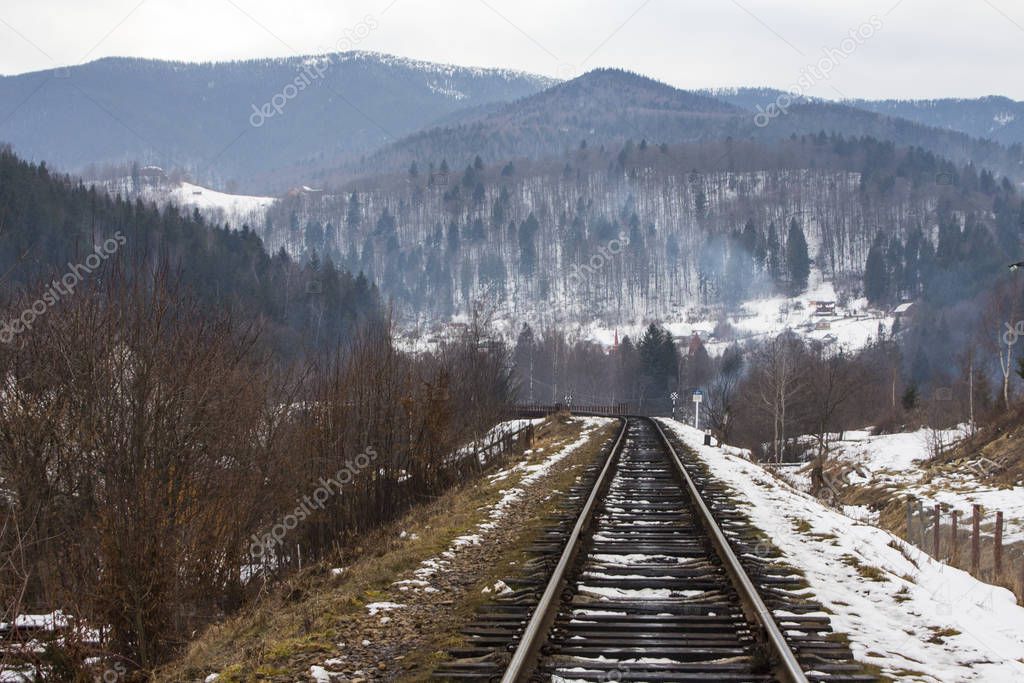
(822, 69)
(1013, 332)
(112, 675)
(58, 289)
(308, 504)
(312, 70)
(580, 274)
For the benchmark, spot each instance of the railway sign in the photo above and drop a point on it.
(698, 398)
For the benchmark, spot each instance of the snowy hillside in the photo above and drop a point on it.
(217, 207)
(896, 464)
(575, 242)
(235, 208)
(914, 618)
(851, 328)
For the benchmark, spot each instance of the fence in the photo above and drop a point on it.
(543, 410)
(466, 463)
(479, 456)
(948, 538)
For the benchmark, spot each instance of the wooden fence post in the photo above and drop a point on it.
(910, 520)
(922, 541)
(1020, 583)
(975, 538)
(954, 545)
(938, 528)
(998, 551)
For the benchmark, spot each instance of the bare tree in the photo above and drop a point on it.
(775, 380)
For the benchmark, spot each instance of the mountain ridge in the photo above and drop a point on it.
(610, 106)
(202, 117)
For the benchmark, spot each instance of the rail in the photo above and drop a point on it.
(789, 667)
(526, 655)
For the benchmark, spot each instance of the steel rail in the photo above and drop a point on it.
(789, 668)
(525, 657)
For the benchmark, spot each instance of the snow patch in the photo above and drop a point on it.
(919, 616)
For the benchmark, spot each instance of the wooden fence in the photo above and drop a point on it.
(545, 409)
(483, 455)
(947, 537)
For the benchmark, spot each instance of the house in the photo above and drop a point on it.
(824, 308)
(904, 312)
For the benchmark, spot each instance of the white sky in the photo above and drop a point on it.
(924, 48)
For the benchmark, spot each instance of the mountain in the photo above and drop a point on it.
(53, 224)
(996, 118)
(237, 120)
(621, 235)
(609, 106)
(602, 106)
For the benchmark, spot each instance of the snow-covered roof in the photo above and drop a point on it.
(903, 308)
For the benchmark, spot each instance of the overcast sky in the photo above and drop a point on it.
(916, 48)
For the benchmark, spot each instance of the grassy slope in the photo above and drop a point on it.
(300, 622)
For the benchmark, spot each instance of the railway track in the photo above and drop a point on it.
(637, 578)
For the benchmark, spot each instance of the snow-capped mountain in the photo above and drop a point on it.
(243, 121)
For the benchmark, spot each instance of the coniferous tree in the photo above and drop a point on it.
(527, 244)
(876, 279)
(773, 255)
(354, 216)
(659, 366)
(797, 260)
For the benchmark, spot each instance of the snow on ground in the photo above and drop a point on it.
(919, 621)
(218, 206)
(205, 199)
(531, 473)
(496, 432)
(893, 461)
(851, 328)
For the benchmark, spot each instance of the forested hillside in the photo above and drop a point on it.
(642, 232)
(996, 118)
(611, 106)
(51, 224)
(237, 121)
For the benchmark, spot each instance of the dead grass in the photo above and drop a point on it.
(301, 620)
(1006, 449)
(939, 635)
(866, 571)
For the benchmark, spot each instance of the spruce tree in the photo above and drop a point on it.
(773, 260)
(797, 260)
(876, 281)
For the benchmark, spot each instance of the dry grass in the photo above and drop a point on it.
(1002, 444)
(300, 622)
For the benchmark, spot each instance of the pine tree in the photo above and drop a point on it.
(527, 246)
(658, 366)
(773, 251)
(355, 215)
(876, 279)
(454, 240)
(797, 260)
